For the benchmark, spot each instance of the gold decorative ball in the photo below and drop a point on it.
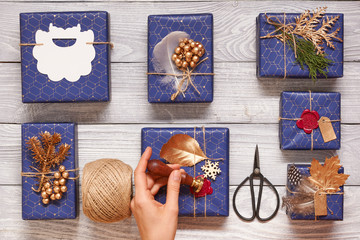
(46, 201)
(52, 197)
(44, 194)
(62, 181)
(65, 174)
(47, 185)
(178, 62)
(200, 46)
(58, 196)
(49, 191)
(56, 182)
(188, 54)
(195, 59)
(178, 50)
(195, 50)
(185, 40)
(174, 57)
(197, 44)
(62, 168)
(201, 53)
(181, 44)
(192, 44)
(187, 48)
(190, 41)
(192, 64)
(63, 189)
(57, 175)
(56, 189)
(185, 65)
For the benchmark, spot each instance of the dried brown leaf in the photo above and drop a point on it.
(327, 176)
(183, 150)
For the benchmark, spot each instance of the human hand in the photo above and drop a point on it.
(155, 220)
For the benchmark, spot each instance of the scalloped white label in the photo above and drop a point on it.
(64, 62)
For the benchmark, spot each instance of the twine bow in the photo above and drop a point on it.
(186, 76)
(43, 176)
(312, 132)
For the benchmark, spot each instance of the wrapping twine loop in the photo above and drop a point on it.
(186, 76)
(286, 28)
(312, 132)
(44, 176)
(94, 43)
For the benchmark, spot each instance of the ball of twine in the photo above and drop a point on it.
(106, 190)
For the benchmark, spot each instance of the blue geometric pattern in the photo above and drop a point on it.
(32, 206)
(335, 202)
(292, 104)
(270, 51)
(217, 146)
(36, 87)
(200, 28)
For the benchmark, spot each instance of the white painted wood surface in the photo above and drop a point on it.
(248, 106)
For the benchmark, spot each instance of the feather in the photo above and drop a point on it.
(162, 56)
(301, 202)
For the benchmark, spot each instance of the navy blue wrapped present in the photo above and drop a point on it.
(335, 202)
(199, 84)
(270, 51)
(32, 205)
(65, 56)
(215, 144)
(301, 114)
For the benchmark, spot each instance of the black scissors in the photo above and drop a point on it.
(256, 174)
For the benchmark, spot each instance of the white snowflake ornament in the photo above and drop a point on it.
(211, 169)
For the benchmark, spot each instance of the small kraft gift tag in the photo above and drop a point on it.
(320, 204)
(326, 129)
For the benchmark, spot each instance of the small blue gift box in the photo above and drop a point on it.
(32, 206)
(292, 106)
(199, 27)
(65, 56)
(216, 146)
(335, 202)
(270, 51)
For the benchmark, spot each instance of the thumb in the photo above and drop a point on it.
(173, 189)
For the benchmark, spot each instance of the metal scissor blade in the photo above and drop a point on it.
(256, 160)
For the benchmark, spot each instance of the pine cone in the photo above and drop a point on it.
(294, 175)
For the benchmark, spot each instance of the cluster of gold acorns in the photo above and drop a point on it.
(188, 53)
(56, 191)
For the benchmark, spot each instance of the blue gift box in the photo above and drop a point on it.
(217, 146)
(335, 202)
(70, 61)
(270, 51)
(292, 105)
(32, 206)
(200, 28)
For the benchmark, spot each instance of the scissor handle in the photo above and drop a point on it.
(257, 210)
(252, 199)
(252, 192)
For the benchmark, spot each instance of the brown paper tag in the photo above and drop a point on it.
(326, 129)
(320, 204)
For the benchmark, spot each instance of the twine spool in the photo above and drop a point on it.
(106, 190)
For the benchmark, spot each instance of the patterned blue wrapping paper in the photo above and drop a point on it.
(217, 146)
(37, 87)
(292, 104)
(32, 206)
(270, 51)
(200, 28)
(335, 202)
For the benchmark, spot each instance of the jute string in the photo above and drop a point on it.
(94, 43)
(106, 190)
(286, 28)
(44, 176)
(312, 132)
(186, 76)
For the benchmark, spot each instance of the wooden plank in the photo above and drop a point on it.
(234, 24)
(13, 227)
(124, 141)
(239, 97)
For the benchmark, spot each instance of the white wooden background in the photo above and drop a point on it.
(248, 106)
